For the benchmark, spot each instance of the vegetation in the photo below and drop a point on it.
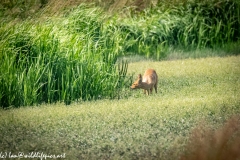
(52, 56)
(191, 25)
(42, 63)
(73, 56)
(205, 143)
(193, 91)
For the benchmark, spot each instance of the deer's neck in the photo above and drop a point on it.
(145, 85)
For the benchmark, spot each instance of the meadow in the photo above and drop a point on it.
(192, 93)
(66, 71)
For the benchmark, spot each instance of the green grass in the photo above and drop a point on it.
(61, 59)
(73, 56)
(136, 127)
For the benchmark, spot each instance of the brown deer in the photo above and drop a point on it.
(147, 82)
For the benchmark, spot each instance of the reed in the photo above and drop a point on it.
(184, 24)
(40, 65)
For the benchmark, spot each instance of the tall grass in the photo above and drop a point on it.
(46, 63)
(185, 24)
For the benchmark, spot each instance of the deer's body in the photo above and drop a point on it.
(147, 82)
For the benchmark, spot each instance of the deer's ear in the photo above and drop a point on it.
(139, 78)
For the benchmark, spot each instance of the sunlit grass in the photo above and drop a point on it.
(139, 126)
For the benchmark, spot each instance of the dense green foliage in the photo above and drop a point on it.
(187, 24)
(74, 56)
(49, 63)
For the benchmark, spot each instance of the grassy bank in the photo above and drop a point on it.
(138, 127)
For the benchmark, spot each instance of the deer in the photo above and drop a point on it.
(146, 82)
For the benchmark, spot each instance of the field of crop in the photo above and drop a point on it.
(138, 127)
